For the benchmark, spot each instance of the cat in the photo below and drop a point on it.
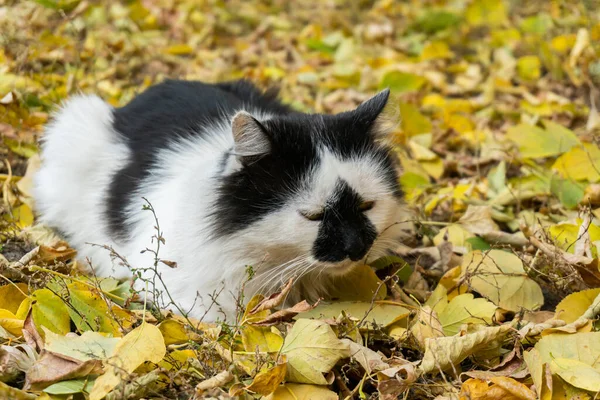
(235, 178)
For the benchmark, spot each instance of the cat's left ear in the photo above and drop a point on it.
(250, 138)
(370, 114)
(370, 109)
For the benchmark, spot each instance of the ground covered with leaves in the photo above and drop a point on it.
(497, 298)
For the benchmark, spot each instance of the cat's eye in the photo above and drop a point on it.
(312, 216)
(366, 205)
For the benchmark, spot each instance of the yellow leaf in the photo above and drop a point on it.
(179, 49)
(499, 276)
(412, 121)
(502, 388)
(486, 12)
(382, 313)
(12, 295)
(460, 123)
(577, 373)
(22, 215)
(574, 305)
(436, 49)
(293, 391)
(262, 339)
(144, 343)
(266, 382)
(465, 309)
(529, 68)
(175, 332)
(580, 163)
(566, 235)
(563, 43)
(90, 311)
(50, 311)
(8, 392)
(312, 349)
(456, 234)
(445, 352)
(360, 284)
(11, 323)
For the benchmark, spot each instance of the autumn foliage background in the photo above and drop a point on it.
(497, 296)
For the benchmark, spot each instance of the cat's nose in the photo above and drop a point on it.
(356, 249)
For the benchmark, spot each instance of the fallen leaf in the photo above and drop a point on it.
(464, 309)
(144, 343)
(266, 382)
(312, 349)
(370, 360)
(219, 380)
(50, 311)
(575, 305)
(294, 391)
(274, 300)
(446, 352)
(53, 367)
(12, 295)
(287, 314)
(255, 338)
(7, 392)
(382, 313)
(499, 276)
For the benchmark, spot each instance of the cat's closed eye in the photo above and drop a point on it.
(313, 216)
(318, 216)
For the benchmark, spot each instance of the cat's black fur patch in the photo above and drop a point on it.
(345, 231)
(166, 112)
(178, 108)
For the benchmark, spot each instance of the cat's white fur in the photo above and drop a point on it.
(81, 152)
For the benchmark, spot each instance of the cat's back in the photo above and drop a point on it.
(178, 108)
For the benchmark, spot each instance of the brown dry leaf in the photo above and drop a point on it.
(370, 360)
(274, 300)
(426, 326)
(286, 315)
(219, 380)
(53, 367)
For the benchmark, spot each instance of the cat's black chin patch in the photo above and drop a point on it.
(345, 232)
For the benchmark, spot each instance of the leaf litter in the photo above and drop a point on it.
(495, 297)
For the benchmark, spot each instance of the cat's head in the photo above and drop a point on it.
(320, 191)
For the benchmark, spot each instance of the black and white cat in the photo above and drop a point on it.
(236, 179)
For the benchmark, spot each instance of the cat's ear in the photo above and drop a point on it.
(250, 138)
(370, 114)
(370, 109)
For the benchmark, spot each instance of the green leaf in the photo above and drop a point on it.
(400, 82)
(50, 311)
(70, 387)
(569, 192)
(535, 142)
(435, 21)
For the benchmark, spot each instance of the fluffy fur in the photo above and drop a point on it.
(236, 179)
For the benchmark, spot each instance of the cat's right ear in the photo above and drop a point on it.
(250, 138)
